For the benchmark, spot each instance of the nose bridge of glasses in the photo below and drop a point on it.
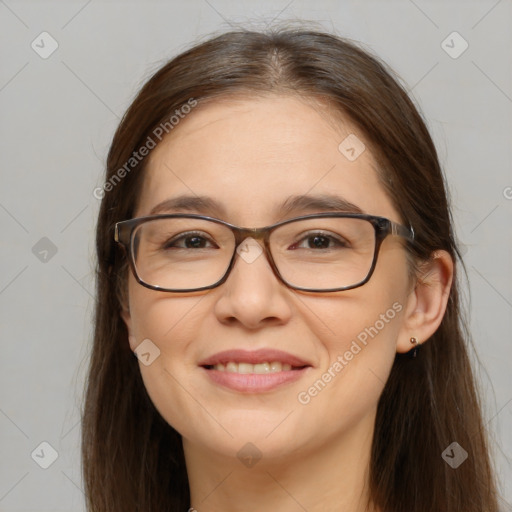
(242, 234)
(251, 243)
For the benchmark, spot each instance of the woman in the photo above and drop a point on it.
(279, 368)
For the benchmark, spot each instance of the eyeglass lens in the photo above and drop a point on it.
(319, 253)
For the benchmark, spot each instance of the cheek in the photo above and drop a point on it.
(167, 326)
(359, 348)
(162, 317)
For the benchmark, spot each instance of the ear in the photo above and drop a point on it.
(126, 316)
(426, 304)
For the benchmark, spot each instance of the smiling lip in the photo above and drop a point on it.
(254, 382)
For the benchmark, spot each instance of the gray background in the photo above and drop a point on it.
(58, 117)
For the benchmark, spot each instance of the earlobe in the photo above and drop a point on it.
(427, 303)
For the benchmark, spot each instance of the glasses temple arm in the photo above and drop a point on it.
(398, 229)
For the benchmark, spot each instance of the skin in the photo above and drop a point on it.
(251, 154)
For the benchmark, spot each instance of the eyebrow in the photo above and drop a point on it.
(292, 205)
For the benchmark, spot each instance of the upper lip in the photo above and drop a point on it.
(253, 357)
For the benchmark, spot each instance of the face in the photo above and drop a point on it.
(251, 155)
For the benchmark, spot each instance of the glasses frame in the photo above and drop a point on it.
(123, 235)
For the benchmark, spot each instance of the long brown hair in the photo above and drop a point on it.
(132, 459)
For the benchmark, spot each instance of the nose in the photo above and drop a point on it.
(252, 295)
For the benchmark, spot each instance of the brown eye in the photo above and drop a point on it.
(188, 241)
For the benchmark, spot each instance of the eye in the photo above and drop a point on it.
(319, 240)
(189, 241)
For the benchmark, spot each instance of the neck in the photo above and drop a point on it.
(332, 477)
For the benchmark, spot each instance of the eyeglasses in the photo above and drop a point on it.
(322, 252)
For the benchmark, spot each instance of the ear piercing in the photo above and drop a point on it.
(415, 342)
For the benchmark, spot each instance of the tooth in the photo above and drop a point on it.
(232, 367)
(245, 368)
(261, 368)
(276, 366)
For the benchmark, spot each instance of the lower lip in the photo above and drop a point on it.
(255, 382)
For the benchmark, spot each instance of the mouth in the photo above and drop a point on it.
(254, 371)
(260, 368)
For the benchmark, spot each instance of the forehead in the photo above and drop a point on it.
(251, 155)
